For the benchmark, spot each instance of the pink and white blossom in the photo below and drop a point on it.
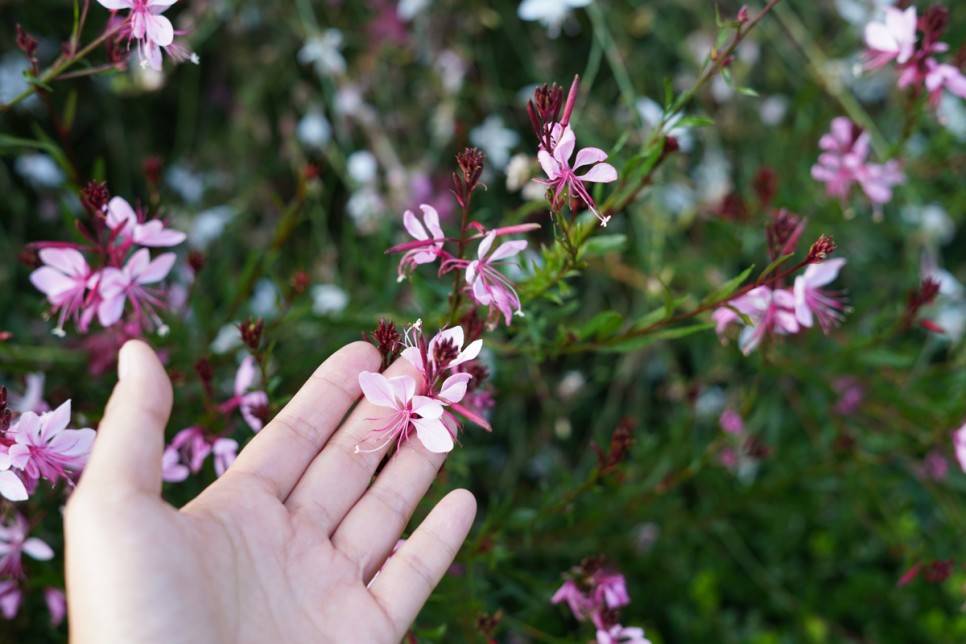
(490, 287)
(564, 178)
(892, 39)
(120, 285)
(618, 634)
(225, 450)
(941, 76)
(14, 542)
(56, 604)
(455, 335)
(959, 446)
(193, 448)
(844, 162)
(410, 412)
(43, 447)
(812, 301)
(253, 405)
(121, 218)
(172, 469)
(428, 229)
(65, 279)
(10, 597)
(769, 311)
(33, 395)
(148, 27)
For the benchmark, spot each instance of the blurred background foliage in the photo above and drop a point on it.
(802, 541)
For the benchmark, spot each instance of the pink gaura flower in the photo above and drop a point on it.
(844, 162)
(731, 422)
(172, 470)
(33, 395)
(940, 76)
(253, 405)
(959, 446)
(490, 287)
(454, 335)
(892, 39)
(934, 466)
(580, 605)
(618, 634)
(770, 311)
(128, 224)
(14, 541)
(56, 604)
(118, 285)
(225, 450)
(10, 597)
(65, 278)
(812, 301)
(610, 589)
(423, 254)
(147, 26)
(43, 447)
(564, 178)
(410, 412)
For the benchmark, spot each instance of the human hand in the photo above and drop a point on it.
(282, 548)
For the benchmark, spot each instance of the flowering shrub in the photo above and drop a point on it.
(713, 352)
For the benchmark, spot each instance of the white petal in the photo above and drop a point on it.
(377, 389)
(433, 435)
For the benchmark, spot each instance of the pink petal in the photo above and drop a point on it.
(600, 173)
(431, 217)
(250, 402)
(56, 421)
(565, 147)
(110, 310)
(120, 214)
(157, 270)
(821, 274)
(38, 549)
(159, 30)
(67, 260)
(414, 356)
(377, 389)
(433, 435)
(413, 227)
(53, 283)
(155, 234)
(485, 244)
(454, 388)
(588, 156)
(426, 407)
(508, 249)
(469, 353)
(549, 164)
(245, 375)
(116, 5)
(11, 487)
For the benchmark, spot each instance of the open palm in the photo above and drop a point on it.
(284, 547)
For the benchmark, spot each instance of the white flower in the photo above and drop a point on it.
(932, 221)
(323, 51)
(313, 131)
(264, 302)
(362, 167)
(496, 140)
(328, 299)
(366, 208)
(40, 170)
(550, 13)
(189, 185)
(208, 225)
(652, 114)
(228, 338)
(409, 9)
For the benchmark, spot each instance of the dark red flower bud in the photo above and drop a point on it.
(251, 332)
(820, 250)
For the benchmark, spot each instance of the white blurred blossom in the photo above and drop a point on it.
(209, 224)
(264, 302)
(932, 222)
(366, 209)
(39, 170)
(313, 130)
(324, 52)
(409, 9)
(328, 299)
(362, 167)
(496, 140)
(550, 13)
(228, 338)
(652, 114)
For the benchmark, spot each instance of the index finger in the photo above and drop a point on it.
(283, 449)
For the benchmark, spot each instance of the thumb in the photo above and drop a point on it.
(130, 438)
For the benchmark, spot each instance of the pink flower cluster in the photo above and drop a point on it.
(896, 39)
(592, 591)
(37, 446)
(14, 543)
(151, 30)
(563, 179)
(119, 238)
(844, 162)
(959, 446)
(442, 362)
(190, 447)
(484, 282)
(765, 310)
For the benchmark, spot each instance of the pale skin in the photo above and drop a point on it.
(282, 548)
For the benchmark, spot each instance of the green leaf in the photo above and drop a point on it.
(775, 264)
(885, 358)
(602, 325)
(602, 244)
(726, 289)
(747, 91)
(693, 122)
(641, 341)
